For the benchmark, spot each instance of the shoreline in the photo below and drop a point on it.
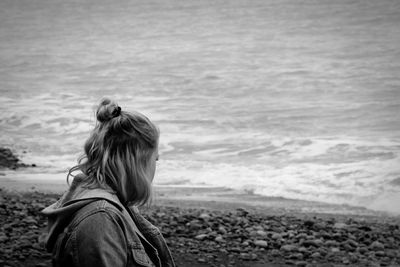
(18, 176)
(197, 197)
(212, 198)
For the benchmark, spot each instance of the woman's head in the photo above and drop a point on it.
(121, 153)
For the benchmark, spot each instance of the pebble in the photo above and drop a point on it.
(303, 250)
(352, 243)
(201, 236)
(345, 261)
(335, 250)
(248, 256)
(261, 243)
(275, 253)
(289, 248)
(219, 239)
(362, 250)
(339, 225)
(261, 233)
(222, 230)
(205, 216)
(302, 236)
(276, 236)
(3, 238)
(376, 245)
(316, 255)
(202, 260)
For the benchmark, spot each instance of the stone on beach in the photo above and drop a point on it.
(261, 243)
(11, 161)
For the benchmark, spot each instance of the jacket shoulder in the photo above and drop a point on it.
(96, 237)
(103, 227)
(92, 208)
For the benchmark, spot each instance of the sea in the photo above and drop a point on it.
(297, 99)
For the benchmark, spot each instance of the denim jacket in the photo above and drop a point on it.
(90, 227)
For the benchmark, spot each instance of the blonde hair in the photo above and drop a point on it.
(117, 153)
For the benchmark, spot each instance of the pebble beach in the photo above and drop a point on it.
(204, 230)
(228, 237)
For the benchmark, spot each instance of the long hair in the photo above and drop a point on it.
(117, 153)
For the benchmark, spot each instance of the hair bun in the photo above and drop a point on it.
(107, 110)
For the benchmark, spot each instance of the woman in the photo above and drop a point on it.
(96, 222)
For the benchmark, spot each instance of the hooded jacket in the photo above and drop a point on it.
(91, 227)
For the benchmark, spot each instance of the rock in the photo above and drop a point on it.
(365, 228)
(362, 250)
(241, 212)
(3, 238)
(261, 233)
(235, 249)
(201, 236)
(222, 250)
(376, 245)
(9, 160)
(303, 250)
(289, 248)
(353, 257)
(261, 243)
(302, 236)
(276, 236)
(248, 256)
(352, 243)
(348, 248)
(202, 260)
(253, 256)
(222, 230)
(258, 227)
(245, 243)
(204, 216)
(244, 256)
(219, 239)
(316, 255)
(339, 225)
(275, 253)
(335, 250)
(345, 260)
(194, 225)
(309, 223)
(391, 253)
(338, 237)
(291, 234)
(253, 233)
(322, 251)
(29, 220)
